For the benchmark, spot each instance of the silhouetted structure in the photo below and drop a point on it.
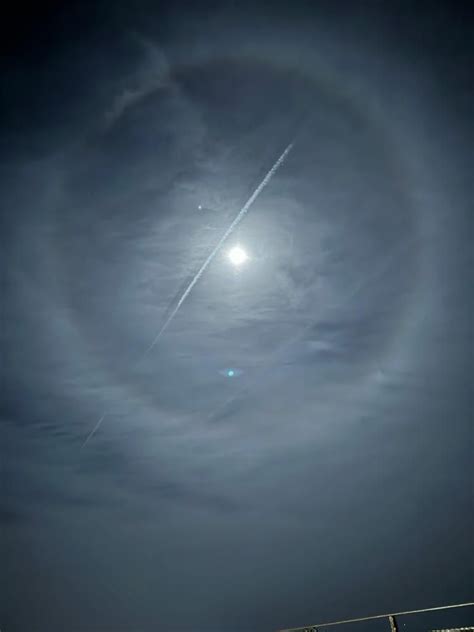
(391, 619)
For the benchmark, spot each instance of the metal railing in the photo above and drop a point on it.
(470, 629)
(391, 619)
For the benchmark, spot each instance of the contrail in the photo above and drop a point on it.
(202, 269)
(231, 228)
(92, 433)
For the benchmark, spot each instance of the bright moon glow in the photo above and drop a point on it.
(237, 255)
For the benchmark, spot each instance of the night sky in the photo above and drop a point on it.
(296, 444)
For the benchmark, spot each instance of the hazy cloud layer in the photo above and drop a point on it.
(331, 475)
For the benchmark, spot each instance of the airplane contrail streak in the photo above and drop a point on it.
(202, 269)
(92, 433)
(218, 246)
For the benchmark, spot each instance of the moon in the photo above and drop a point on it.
(237, 255)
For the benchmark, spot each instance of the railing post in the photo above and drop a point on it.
(393, 624)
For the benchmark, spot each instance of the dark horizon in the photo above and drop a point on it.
(296, 444)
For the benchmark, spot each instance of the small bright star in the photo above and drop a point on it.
(237, 255)
(230, 373)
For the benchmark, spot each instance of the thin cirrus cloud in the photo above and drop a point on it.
(320, 385)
